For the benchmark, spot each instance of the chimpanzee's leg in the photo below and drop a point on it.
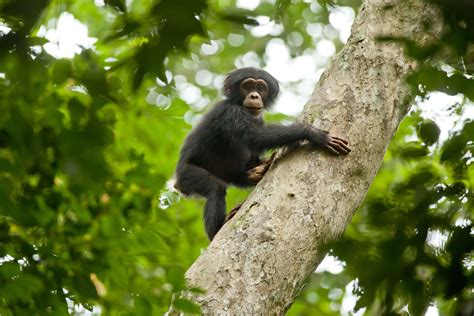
(193, 179)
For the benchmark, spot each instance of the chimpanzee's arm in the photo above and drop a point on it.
(271, 136)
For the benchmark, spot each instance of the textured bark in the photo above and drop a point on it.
(258, 261)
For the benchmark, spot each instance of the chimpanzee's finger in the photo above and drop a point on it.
(336, 146)
(341, 139)
(332, 150)
(341, 143)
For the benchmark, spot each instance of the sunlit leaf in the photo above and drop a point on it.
(186, 306)
(429, 132)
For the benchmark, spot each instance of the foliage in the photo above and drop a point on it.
(83, 162)
(87, 145)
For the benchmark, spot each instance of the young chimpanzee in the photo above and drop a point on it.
(225, 147)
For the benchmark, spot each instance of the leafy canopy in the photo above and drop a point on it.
(88, 143)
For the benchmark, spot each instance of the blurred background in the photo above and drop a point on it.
(96, 98)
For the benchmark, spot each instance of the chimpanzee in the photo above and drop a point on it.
(225, 147)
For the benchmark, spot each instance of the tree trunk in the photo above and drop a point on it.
(259, 260)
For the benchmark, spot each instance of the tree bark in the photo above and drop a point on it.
(259, 260)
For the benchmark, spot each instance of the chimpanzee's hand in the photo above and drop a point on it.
(256, 174)
(333, 144)
(337, 145)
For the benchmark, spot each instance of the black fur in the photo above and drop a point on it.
(228, 142)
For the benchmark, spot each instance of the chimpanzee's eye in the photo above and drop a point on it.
(262, 87)
(248, 84)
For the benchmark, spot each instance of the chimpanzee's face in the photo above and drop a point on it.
(253, 92)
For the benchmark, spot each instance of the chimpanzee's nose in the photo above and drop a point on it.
(254, 95)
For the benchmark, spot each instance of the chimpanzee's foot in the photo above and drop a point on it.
(256, 173)
(232, 212)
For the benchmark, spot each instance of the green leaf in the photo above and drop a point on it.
(429, 132)
(34, 40)
(186, 306)
(61, 70)
(468, 129)
(453, 148)
(413, 150)
(117, 4)
(239, 16)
